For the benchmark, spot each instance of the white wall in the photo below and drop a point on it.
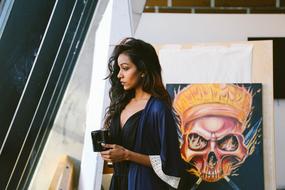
(115, 25)
(189, 28)
(202, 28)
(279, 112)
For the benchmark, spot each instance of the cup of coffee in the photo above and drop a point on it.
(98, 137)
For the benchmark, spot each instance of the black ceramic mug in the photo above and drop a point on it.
(98, 137)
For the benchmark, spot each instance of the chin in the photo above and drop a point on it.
(126, 88)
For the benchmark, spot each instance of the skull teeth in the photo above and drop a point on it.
(211, 175)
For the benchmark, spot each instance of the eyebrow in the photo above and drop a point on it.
(123, 64)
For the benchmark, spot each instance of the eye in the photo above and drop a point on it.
(125, 68)
(228, 143)
(196, 142)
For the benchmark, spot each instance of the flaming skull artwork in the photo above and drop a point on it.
(215, 133)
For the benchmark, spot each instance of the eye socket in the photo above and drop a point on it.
(125, 68)
(196, 142)
(228, 143)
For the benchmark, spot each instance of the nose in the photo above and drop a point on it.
(212, 159)
(212, 145)
(119, 75)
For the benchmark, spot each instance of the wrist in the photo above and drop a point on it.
(128, 154)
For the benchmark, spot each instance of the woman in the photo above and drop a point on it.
(144, 150)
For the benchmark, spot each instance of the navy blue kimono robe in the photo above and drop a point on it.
(156, 135)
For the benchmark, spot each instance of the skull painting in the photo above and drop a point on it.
(215, 145)
(213, 118)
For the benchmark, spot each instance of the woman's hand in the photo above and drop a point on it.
(115, 153)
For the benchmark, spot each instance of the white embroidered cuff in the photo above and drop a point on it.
(157, 167)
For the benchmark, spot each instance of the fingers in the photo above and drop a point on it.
(115, 153)
(105, 152)
(108, 145)
(106, 155)
(107, 159)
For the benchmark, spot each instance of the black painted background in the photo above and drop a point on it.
(38, 50)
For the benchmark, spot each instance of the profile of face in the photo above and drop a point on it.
(128, 72)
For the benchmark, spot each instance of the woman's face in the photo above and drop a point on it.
(128, 73)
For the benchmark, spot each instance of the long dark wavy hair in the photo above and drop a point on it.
(144, 56)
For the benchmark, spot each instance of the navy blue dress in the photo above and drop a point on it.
(124, 136)
(155, 134)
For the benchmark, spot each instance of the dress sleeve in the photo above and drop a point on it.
(157, 167)
(168, 165)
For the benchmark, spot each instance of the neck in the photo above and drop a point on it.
(141, 95)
